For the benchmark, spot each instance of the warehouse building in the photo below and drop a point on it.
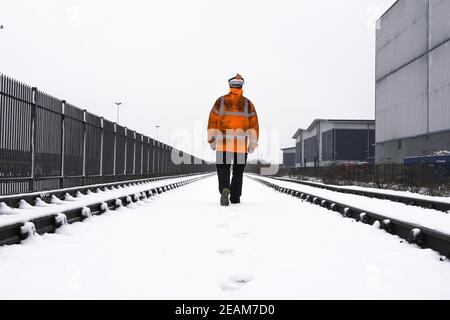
(288, 157)
(413, 80)
(327, 142)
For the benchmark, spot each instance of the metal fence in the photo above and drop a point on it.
(47, 143)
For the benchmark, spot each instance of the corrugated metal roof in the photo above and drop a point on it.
(340, 120)
(297, 133)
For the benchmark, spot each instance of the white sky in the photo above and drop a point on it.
(169, 60)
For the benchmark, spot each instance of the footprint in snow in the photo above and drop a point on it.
(241, 235)
(227, 287)
(241, 278)
(236, 281)
(224, 251)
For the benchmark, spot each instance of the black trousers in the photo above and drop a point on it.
(224, 162)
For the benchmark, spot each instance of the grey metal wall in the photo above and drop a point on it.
(311, 149)
(401, 102)
(395, 151)
(348, 144)
(439, 96)
(299, 154)
(439, 22)
(412, 75)
(402, 36)
(372, 144)
(289, 159)
(328, 145)
(354, 145)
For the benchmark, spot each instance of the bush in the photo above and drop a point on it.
(422, 178)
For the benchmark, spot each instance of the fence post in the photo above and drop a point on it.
(63, 139)
(114, 152)
(157, 171)
(145, 143)
(166, 160)
(148, 156)
(33, 136)
(163, 160)
(163, 155)
(170, 161)
(126, 148)
(153, 157)
(84, 146)
(134, 154)
(142, 154)
(169, 166)
(101, 149)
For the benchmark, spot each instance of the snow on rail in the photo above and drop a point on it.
(271, 246)
(429, 218)
(27, 212)
(381, 191)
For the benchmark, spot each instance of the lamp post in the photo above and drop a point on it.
(157, 129)
(118, 104)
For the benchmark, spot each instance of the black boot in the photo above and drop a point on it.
(235, 201)
(224, 201)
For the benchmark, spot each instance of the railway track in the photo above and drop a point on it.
(13, 201)
(424, 203)
(413, 233)
(16, 232)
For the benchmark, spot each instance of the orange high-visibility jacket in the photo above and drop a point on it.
(233, 123)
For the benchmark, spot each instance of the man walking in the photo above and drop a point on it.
(233, 132)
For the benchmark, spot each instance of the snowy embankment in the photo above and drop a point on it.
(384, 191)
(183, 245)
(429, 218)
(41, 209)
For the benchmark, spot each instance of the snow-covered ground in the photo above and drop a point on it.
(182, 245)
(385, 191)
(26, 211)
(432, 219)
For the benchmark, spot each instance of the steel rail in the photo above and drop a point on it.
(13, 200)
(412, 201)
(15, 233)
(422, 236)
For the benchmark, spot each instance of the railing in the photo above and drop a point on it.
(47, 143)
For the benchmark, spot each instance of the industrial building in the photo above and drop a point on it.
(327, 142)
(288, 157)
(413, 80)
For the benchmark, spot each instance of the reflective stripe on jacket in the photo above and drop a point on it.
(233, 123)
